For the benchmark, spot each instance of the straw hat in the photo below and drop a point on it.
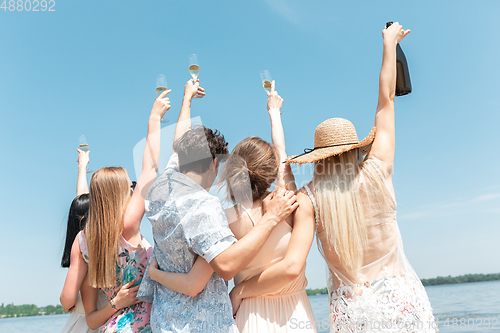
(333, 137)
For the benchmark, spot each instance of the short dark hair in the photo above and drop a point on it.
(198, 147)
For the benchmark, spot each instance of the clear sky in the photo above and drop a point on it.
(90, 67)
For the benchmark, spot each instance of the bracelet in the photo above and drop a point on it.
(112, 305)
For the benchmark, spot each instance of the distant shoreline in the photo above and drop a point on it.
(437, 281)
(460, 279)
(30, 310)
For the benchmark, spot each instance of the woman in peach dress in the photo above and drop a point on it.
(269, 294)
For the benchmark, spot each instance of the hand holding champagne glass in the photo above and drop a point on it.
(161, 86)
(83, 146)
(193, 89)
(161, 105)
(273, 99)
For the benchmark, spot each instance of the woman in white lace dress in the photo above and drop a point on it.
(372, 287)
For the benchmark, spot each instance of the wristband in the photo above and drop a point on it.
(112, 305)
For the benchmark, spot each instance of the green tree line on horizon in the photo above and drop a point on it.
(433, 281)
(313, 292)
(460, 279)
(11, 310)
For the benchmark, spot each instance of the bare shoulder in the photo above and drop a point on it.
(240, 225)
(305, 213)
(231, 214)
(304, 201)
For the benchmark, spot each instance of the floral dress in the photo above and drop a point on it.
(132, 262)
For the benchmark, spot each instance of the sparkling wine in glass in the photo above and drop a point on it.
(267, 82)
(194, 67)
(161, 86)
(265, 76)
(84, 146)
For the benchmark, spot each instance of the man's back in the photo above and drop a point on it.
(187, 222)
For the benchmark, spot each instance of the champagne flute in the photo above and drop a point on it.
(84, 146)
(267, 82)
(265, 76)
(194, 68)
(161, 86)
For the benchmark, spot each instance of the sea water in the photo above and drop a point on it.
(458, 308)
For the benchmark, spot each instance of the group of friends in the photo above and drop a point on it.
(117, 282)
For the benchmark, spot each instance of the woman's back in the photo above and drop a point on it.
(279, 310)
(385, 288)
(379, 210)
(274, 248)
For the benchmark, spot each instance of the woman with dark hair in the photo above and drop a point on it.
(269, 295)
(77, 218)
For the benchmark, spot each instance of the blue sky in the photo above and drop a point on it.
(90, 67)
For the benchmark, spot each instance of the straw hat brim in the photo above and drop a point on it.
(322, 153)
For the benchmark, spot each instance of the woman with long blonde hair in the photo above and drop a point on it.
(110, 255)
(372, 287)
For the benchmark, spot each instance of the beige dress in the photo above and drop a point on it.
(385, 294)
(288, 309)
(76, 322)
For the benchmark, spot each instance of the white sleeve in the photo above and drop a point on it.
(173, 162)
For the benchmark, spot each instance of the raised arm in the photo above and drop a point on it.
(135, 209)
(277, 206)
(81, 185)
(76, 274)
(96, 317)
(190, 284)
(384, 143)
(288, 269)
(191, 89)
(285, 174)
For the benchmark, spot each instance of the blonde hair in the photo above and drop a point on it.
(339, 205)
(109, 195)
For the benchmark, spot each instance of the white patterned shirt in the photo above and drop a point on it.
(187, 222)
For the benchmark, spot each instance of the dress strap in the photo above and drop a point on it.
(313, 200)
(248, 213)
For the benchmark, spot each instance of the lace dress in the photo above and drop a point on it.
(385, 294)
